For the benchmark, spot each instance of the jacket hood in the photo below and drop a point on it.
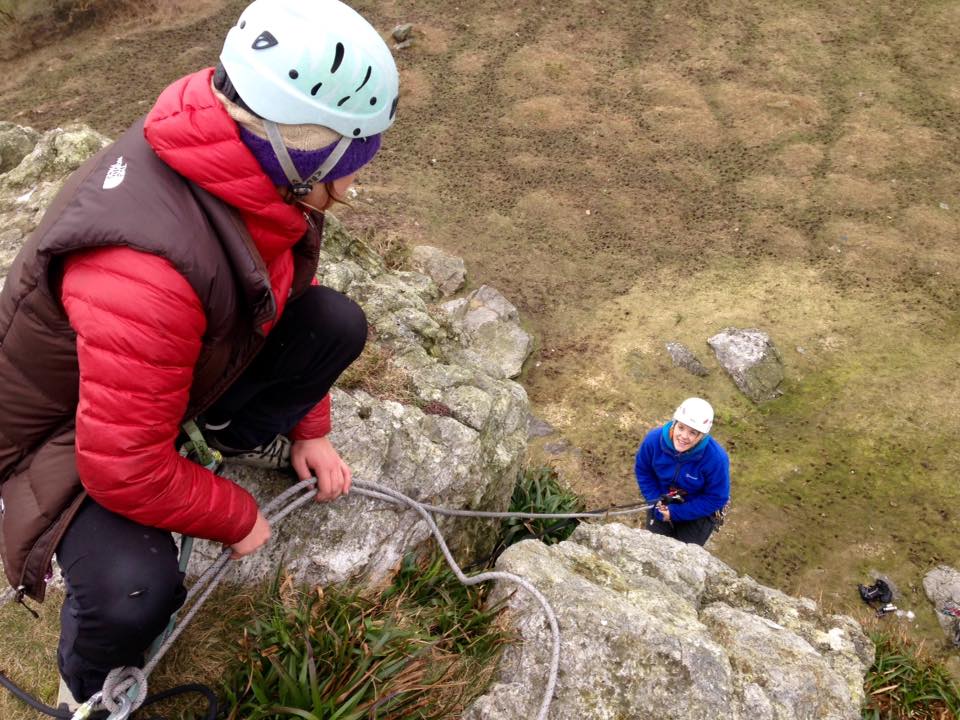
(192, 132)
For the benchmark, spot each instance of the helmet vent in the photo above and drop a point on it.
(293, 74)
(343, 100)
(373, 101)
(315, 88)
(337, 58)
(365, 78)
(264, 40)
(393, 108)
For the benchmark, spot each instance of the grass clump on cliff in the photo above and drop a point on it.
(423, 647)
(539, 490)
(906, 682)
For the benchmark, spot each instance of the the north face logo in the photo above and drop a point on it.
(115, 174)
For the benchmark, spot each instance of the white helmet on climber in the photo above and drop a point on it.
(696, 413)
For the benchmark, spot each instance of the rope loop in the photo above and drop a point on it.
(116, 699)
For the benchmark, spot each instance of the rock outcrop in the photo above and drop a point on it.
(458, 442)
(751, 359)
(27, 188)
(652, 627)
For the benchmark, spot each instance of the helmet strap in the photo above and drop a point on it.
(298, 186)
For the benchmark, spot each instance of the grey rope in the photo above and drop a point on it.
(116, 698)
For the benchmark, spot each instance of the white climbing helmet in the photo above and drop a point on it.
(695, 413)
(312, 62)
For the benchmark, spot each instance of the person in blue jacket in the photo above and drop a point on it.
(683, 459)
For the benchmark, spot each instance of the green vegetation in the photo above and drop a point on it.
(906, 682)
(538, 490)
(422, 647)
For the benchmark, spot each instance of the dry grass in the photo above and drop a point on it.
(28, 654)
(375, 374)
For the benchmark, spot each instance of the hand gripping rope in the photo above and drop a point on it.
(125, 689)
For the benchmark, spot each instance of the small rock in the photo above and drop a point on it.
(558, 448)
(944, 206)
(404, 45)
(538, 427)
(683, 358)
(402, 32)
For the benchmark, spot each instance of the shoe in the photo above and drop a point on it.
(274, 455)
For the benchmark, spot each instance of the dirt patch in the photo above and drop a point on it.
(759, 116)
(843, 192)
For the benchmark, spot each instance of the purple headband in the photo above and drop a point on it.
(360, 152)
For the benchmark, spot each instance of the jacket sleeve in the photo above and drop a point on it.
(139, 329)
(716, 489)
(316, 424)
(643, 468)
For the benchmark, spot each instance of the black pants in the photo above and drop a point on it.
(122, 579)
(691, 531)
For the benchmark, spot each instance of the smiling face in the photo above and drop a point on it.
(684, 437)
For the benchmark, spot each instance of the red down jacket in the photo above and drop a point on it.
(139, 325)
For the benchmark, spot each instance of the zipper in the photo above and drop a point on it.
(18, 598)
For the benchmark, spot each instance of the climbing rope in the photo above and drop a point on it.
(125, 689)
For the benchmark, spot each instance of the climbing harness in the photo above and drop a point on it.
(125, 689)
(673, 496)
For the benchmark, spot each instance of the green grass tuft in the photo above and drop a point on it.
(538, 490)
(423, 647)
(906, 683)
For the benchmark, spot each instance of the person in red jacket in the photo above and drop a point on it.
(183, 257)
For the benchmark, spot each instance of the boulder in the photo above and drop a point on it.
(447, 271)
(652, 627)
(684, 358)
(942, 586)
(751, 359)
(488, 335)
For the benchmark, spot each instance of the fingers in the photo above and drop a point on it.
(300, 467)
(324, 486)
(347, 478)
(332, 483)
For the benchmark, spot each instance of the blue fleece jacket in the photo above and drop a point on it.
(702, 472)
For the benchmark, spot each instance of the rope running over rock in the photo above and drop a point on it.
(121, 680)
